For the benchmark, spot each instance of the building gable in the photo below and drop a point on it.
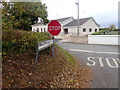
(90, 22)
(61, 20)
(67, 21)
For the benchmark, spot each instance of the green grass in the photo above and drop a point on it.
(68, 56)
(113, 34)
(99, 33)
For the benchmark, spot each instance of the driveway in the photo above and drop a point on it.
(103, 61)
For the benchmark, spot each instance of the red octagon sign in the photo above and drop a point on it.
(54, 27)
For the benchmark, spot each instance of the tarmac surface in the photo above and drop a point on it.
(103, 60)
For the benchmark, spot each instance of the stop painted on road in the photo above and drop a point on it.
(111, 62)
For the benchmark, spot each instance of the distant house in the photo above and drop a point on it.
(69, 26)
(39, 27)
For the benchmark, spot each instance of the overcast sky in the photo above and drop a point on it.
(105, 12)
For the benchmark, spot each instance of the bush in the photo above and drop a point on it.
(16, 41)
(101, 32)
(98, 33)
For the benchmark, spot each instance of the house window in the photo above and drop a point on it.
(84, 29)
(95, 30)
(37, 30)
(90, 30)
(41, 29)
(66, 31)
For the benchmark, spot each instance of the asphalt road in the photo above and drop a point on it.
(102, 60)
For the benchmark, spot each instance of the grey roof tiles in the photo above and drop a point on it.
(81, 21)
(72, 23)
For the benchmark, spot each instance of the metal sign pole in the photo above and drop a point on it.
(36, 58)
(53, 47)
(43, 45)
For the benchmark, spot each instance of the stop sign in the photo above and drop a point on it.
(54, 27)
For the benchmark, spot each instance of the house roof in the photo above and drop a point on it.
(63, 19)
(39, 23)
(60, 20)
(81, 21)
(72, 23)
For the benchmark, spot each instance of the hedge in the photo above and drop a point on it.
(101, 32)
(19, 41)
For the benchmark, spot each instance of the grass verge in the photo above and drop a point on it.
(68, 56)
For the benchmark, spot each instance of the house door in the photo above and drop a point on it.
(66, 31)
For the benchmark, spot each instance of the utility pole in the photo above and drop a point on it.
(78, 19)
(119, 16)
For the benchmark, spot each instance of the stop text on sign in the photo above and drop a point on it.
(54, 28)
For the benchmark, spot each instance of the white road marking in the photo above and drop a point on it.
(100, 60)
(109, 64)
(93, 51)
(91, 60)
(118, 60)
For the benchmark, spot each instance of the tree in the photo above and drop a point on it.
(112, 27)
(21, 15)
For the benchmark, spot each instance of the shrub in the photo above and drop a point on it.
(17, 41)
(101, 32)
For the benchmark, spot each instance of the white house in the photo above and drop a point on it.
(69, 26)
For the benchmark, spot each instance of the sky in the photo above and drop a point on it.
(105, 12)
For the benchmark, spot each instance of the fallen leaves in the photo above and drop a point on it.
(19, 71)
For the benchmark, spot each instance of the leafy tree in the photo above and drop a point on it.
(21, 15)
(112, 27)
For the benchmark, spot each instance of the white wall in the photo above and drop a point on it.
(34, 28)
(72, 30)
(104, 39)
